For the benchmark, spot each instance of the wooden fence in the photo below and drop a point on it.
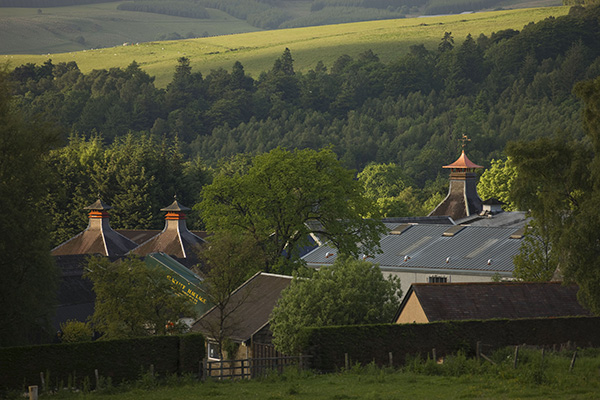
(251, 367)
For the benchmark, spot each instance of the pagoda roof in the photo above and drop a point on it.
(99, 205)
(463, 162)
(175, 206)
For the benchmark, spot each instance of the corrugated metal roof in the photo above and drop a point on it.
(474, 248)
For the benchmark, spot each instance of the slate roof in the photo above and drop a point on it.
(439, 249)
(97, 238)
(175, 239)
(178, 243)
(254, 301)
(511, 300)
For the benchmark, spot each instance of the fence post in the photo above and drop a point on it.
(573, 361)
(33, 392)
(43, 381)
(434, 354)
(391, 358)
(152, 369)
(97, 375)
(204, 369)
(516, 356)
(346, 361)
(478, 351)
(543, 354)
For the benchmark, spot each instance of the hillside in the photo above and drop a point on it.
(405, 107)
(257, 50)
(37, 28)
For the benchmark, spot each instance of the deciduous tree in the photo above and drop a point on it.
(348, 292)
(497, 182)
(280, 193)
(134, 300)
(229, 259)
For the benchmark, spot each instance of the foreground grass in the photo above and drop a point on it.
(458, 378)
(258, 50)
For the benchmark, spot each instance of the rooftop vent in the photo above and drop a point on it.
(453, 230)
(399, 229)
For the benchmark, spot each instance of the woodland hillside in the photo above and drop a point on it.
(412, 111)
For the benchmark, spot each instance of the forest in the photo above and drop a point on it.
(138, 144)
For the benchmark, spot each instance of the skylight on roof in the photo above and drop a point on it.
(486, 245)
(413, 247)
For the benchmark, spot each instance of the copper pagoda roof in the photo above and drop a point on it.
(463, 162)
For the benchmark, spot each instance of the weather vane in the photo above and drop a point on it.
(464, 140)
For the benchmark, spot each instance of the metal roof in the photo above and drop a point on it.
(185, 281)
(472, 249)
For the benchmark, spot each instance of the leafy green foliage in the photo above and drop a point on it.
(536, 260)
(346, 293)
(390, 189)
(410, 112)
(496, 182)
(552, 180)
(29, 276)
(134, 300)
(560, 184)
(74, 331)
(137, 175)
(280, 193)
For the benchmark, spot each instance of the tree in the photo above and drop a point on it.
(581, 241)
(497, 182)
(389, 188)
(558, 180)
(348, 292)
(133, 299)
(29, 276)
(280, 193)
(229, 259)
(536, 262)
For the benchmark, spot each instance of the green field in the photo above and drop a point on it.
(101, 25)
(536, 377)
(257, 50)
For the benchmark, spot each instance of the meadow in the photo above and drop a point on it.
(258, 50)
(537, 376)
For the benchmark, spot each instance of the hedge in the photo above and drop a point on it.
(368, 343)
(120, 360)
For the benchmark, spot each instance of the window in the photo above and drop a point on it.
(438, 279)
(213, 351)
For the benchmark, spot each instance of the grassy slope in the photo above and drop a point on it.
(102, 25)
(258, 50)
